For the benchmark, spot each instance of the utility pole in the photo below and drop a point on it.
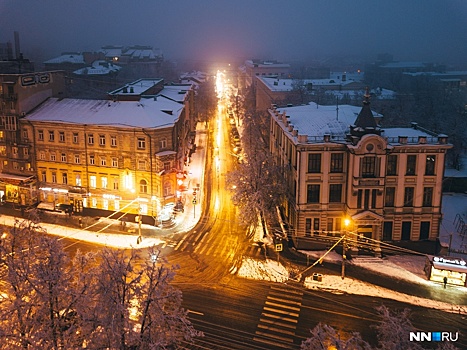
(140, 238)
(343, 258)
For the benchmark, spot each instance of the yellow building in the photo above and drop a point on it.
(110, 155)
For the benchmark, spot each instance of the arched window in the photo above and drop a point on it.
(143, 186)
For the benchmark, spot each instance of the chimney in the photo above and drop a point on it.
(327, 137)
(290, 127)
(403, 140)
(422, 139)
(302, 138)
(442, 139)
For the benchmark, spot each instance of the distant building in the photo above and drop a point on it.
(12, 60)
(253, 68)
(387, 182)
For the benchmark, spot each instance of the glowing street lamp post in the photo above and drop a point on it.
(346, 225)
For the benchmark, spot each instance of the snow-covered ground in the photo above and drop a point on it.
(408, 268)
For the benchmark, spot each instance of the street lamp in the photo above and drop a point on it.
(346, 225)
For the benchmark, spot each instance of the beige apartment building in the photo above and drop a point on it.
(384, 182)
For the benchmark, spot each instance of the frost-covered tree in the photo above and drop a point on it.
(108, 299)
(36, 305)
(136, 307)
(325, 337)
(392, 332)
(258, 184)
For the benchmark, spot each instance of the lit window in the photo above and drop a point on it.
(93, 181)
(104, 181)
(143, 186)
(78, 180)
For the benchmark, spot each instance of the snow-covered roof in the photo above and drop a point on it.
(75, 58)
(274, 64)
(176, 92)
(277, 84)
(318, 120)
(98, 67)
(137, 87)
(146, 113)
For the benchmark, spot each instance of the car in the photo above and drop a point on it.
(65, 208)
(178, 207)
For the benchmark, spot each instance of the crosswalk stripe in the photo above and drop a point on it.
(281, 311)
(282, 299)
(276, 322)
(270, 303)
(280, 317)
(271, 342)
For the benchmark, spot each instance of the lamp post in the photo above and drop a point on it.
(346, 224)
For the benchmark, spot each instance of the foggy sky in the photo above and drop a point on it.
(213, 30)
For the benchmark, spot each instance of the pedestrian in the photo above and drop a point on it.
(445, 280)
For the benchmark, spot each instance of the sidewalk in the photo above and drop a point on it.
(108, 231)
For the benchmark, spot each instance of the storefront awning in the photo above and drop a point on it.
(15, 179)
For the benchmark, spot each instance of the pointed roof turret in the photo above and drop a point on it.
(365, 118)
(365, 122)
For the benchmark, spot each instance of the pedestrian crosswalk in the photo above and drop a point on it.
(209, 244)
(278, 321)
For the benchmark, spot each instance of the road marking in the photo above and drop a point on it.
(277, 323)
(282, 306)
(194, 312)
(281, 311)
(298, 303)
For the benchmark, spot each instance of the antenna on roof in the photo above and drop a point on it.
(337, 107)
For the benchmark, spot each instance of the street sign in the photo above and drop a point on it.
(279, 247)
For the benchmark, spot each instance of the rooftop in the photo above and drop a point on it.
(145, 113)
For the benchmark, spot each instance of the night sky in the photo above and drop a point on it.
(213, 30)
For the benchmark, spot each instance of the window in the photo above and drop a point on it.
(63, 157)
(42, 155)
(141, 143)
(390, 196)
(368, 167)
(91, 139)
(3, 151)
(77, 159)
(61, 136)
(143, 186)
(424, 230)
(25, 135)
(411, 163)
(113, 141)
(104, 182)
(408, 197)
(115, 181)
(101, 140)
(105, 204)
(115, 162)
(75, 137)
(103, 161)
(94, 202)
(64, 178)
(430, 165)
(314, 162)
(312, 195)
(335, 193)
(163, 143)
(167, 166)
(387, 231)
(391, 168)
(40, 135)
(15, 165)
(54, 177)
(337, 162)
(25, 151)
(308, 227)
(427, 196)
(51, 136)
(316, 226)
(44, 176)
(78, 180)
(52, 157)
(93, 181)
(141, 165)
(406, 228)
(92, 160)
(15, 151)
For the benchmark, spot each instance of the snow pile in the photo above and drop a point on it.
(268, 270)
